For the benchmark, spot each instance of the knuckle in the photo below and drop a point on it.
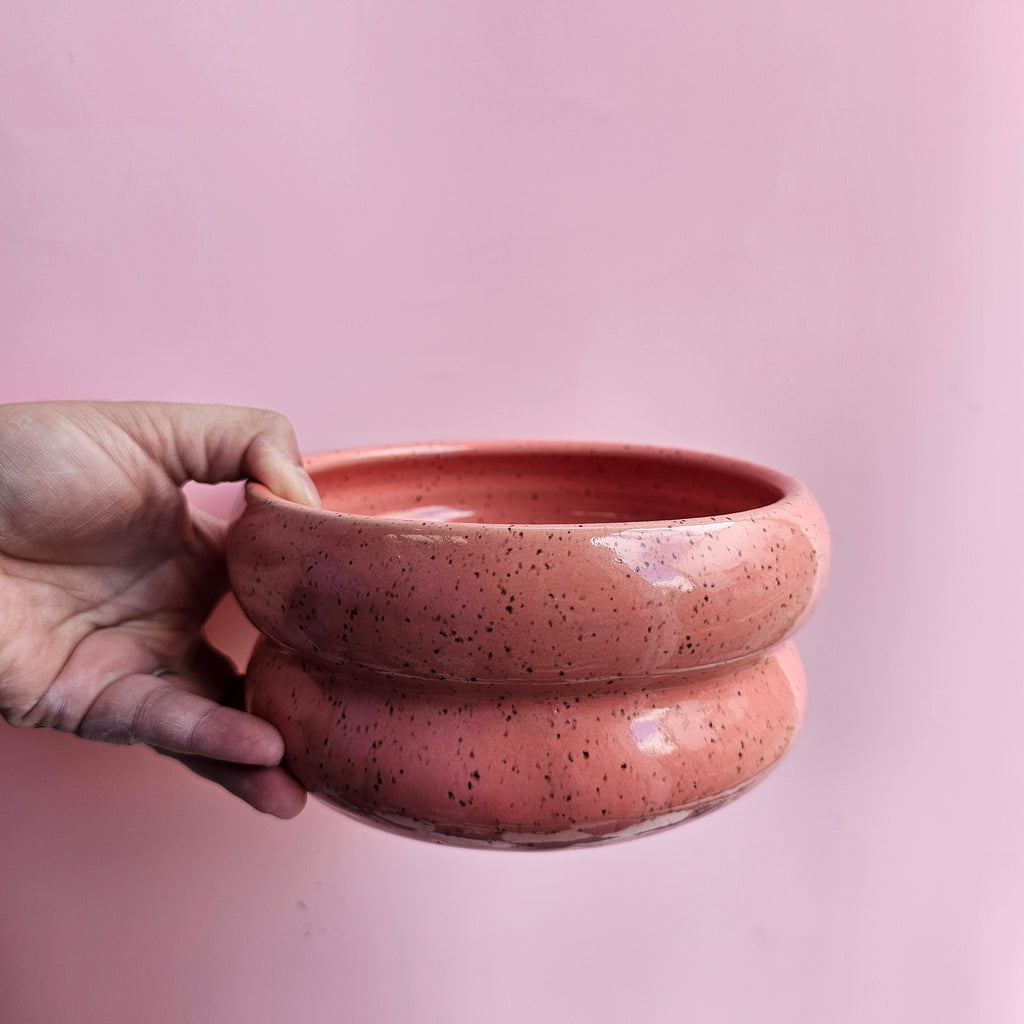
(272, 423)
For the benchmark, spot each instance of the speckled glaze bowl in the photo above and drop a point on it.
(530, 645)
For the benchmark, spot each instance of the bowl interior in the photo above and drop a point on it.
(537, 485)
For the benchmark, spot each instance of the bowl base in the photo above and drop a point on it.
(529, 767)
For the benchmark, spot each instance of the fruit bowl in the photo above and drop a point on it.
(529, 645)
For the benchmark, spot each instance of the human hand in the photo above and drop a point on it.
(107, 575)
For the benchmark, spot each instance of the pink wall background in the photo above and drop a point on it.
(792, 231)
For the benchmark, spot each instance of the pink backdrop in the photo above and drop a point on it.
(789, 231)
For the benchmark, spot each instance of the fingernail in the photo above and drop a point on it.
(307, 485)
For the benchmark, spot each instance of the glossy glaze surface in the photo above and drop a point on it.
(530, 645)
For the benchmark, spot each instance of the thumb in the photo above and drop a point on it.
(216, 443)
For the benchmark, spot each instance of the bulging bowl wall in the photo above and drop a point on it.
(530, 602)
(541, 768)
(534, 683)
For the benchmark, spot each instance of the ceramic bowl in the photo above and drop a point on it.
(530, 644)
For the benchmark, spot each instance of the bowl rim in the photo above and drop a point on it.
(792, 491)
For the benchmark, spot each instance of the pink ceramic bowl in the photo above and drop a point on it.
(530, 645)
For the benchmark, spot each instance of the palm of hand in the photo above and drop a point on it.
(106, 578)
